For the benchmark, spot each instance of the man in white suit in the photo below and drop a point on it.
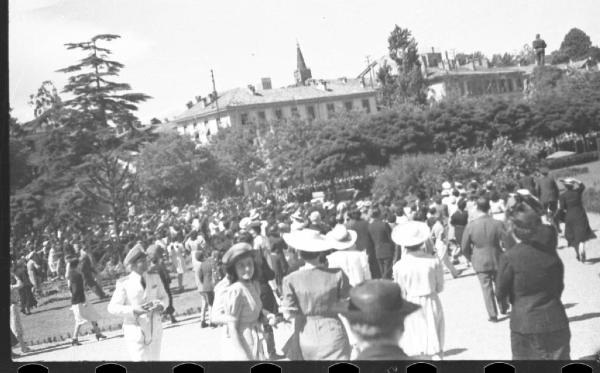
(139, 298)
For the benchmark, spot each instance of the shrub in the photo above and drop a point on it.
(571, 160)
(591, 198)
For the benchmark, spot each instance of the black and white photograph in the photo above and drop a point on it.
(303, 180)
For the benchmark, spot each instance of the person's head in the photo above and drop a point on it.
(354, 214)
(495, 196)
(376, 310)
(483, 204)
(462, 204)
(239, 263)
(136, 260)
(523, 221)
(375, 213)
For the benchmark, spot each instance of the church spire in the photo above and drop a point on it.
(302, 73)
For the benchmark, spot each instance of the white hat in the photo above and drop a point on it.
(314, 216)
(524, 192)
(246, 223)
(297, 216)
(568, 181)
(411, 233)
(308, 240)
(328, 205)
(458, 184)
(341, 237)
(446, 185)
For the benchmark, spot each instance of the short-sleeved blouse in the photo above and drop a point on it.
(313, 291)
(243, 302)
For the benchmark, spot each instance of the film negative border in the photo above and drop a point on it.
(406, 366)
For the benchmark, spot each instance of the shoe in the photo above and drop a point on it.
(493, 319)
(100, 336)
(75, 342)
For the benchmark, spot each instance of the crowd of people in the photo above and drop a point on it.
(351, 279)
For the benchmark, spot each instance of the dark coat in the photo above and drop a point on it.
(363, 238)
(481, 243)
(76, 286)
(382, 352)
(527, 182)
(381, 233)
(547, 190)
(87, 268)
(577, 226)
(531, 275)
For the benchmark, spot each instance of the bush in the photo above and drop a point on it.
(571, 160)
(591, 199)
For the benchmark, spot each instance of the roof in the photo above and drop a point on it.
(169, 127)
(240, 97)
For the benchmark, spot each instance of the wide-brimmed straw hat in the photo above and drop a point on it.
(341, 237)
(247, 223)
(375, 302)
(568, 181)
(446, 185)
(411, 233)
(235, 251)
(308, 240)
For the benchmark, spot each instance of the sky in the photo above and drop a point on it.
(169, 47)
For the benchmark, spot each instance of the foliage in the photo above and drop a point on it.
(576, 44)
(239, 149)
(569, 172)
(571, 160)
(503, 60)
(173, 167)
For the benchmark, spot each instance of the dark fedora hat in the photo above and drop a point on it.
(374, 302)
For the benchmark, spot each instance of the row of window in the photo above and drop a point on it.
(310, 111)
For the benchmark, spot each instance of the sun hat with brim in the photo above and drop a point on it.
(133, 255)
(247, 223)
(568, 181)
(446, 185)
(235, 251)
(411, 233)
(524, 192)
(375, 302)
(341, 237)
(314, 216)
(308, 240)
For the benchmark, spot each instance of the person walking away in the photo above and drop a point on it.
(497, 206)
(459, 221)
(279, 263)
(548, 193)
(87, 270)
(577, 226)
(421, 278)
(156, 256)
(16, 327)
(440, 243)
(139, 298)
(384, 247)
(531, 275)
(26, 297)
(53, 261)
(353, 262)
(364, 242)
(32, 271)
(176, 253)
(309, 295)
(206, 284)
(82, 311)
(481, 244)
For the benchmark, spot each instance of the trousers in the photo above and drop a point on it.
(488, 288)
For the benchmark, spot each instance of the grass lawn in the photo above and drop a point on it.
(54, 320)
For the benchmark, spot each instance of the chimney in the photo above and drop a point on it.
(424, 60)
(251, 89)
(344, 80)
(266, 83)
(189, 104)
(447, 60)
(432, 50)
(323, 85)
(204, 101)
(198, 98)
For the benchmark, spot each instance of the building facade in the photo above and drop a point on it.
(309, 99)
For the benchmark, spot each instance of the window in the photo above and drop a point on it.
(330, 110)
(278, 114)
(262, 117)
(244, 118)
(366, 106)
(295, 112)
(310, 112)
(348, 105)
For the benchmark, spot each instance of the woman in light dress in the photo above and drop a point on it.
(177, 254)
(421, 277)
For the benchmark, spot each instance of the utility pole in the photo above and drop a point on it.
(216, 96)
(370, 70)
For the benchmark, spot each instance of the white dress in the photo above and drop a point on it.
(175, 250)
(421, 278)
(355, 265)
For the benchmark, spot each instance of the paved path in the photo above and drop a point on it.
(469, 335)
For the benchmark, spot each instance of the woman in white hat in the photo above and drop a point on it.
(577, 225)
(308, 297)
(421, 277)
(353, 262)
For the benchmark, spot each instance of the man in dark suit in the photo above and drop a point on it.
(381, 234)
(481, 246)
(527, 182)
(363, 240)
(547, 192)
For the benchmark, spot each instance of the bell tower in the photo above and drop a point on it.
(302, 73)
